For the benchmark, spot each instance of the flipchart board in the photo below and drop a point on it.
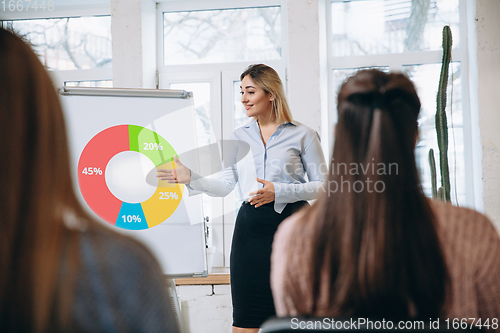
(118, 139)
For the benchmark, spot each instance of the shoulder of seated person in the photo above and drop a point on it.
(460, 213)
(289, 224)
(453, 217)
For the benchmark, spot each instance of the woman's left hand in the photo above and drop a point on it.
(264, 195)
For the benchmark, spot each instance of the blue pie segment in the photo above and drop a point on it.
(131, 217)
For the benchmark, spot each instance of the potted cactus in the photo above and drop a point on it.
(443, 192)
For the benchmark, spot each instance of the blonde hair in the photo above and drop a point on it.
(267, 78)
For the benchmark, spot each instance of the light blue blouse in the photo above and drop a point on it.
(291, 154)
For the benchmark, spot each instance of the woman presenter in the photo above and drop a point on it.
(283, 169)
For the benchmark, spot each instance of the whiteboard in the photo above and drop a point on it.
(179, 241)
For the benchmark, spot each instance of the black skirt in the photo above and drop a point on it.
(251, 262)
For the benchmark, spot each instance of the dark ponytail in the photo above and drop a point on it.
(375, 252)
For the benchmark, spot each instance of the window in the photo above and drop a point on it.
(92, 84)
(223, 35)
(405, 36)
(203, 48)
(68, 43)
(391, 26)
(77, 50)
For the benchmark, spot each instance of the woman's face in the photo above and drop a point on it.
(255, 100)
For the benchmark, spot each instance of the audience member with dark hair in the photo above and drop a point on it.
(373, 245)
(60, 270)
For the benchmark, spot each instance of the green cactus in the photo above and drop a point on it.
(441, 194)
(432, 164)
(441, 121)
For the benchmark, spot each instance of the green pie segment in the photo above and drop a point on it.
(149, 143)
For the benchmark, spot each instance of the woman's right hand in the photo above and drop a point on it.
(181, 174)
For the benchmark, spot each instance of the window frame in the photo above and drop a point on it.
(395, 62)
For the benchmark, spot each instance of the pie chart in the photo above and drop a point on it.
(114, 176)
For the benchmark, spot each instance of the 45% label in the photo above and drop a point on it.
(91, 171)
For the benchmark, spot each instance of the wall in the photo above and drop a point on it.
(487, 47)
(303, 62)
(206, 308)
(133, 27)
